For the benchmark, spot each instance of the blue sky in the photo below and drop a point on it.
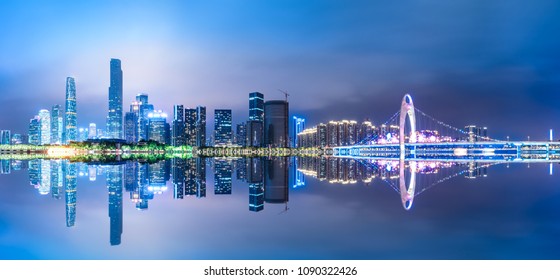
(493, 63)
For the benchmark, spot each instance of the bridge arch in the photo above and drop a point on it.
(407, 110)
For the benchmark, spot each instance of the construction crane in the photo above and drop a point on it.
(285, 94)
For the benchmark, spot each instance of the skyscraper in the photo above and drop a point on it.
(115, 116)
(157, 129)
(256, 106)
(45, 124)
(35, 131)
(144, 108)
(130, 127)
(299, 126)
(276, 123)
(241, 135)
(190, 126)
(57, 125)
(255, 125)
(5, 137)
(178, 137)
(222, 127)
(70, 120)
(201, 126)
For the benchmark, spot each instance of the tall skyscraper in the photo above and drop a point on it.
(5, 137)
(115, 115)
(70, 116)
(45, 124)
(276, 123)
(35, 131)
(255, 125)
(157, 129)
(144, 108)
(256, 106)
(195, 126)
(178, 137)
(222, 127)
(241, 135)
(190, 126)
(201, 126)
(57, 125)
(299, 126)
(130, 127)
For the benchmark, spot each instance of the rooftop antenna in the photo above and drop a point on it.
(285, 94)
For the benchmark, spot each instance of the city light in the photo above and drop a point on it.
(61, 152)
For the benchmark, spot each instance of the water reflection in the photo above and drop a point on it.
(269, 180)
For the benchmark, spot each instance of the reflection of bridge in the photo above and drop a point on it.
(427, 138)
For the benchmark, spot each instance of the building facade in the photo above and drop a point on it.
(222, 127)
(115, 114)
(70, 114)
(276, 123)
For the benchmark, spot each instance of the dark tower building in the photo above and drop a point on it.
(190, 127)
(276, 123)
(115, 115)
(241, 135)
(201, 126)
(222, 127)
(178, 137)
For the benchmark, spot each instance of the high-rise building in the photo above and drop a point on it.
(144, 108)
(276, 123)
(222, 127)
(157, 121)
(57, 125)
(201, 126)
(178, 137)
(130, 127)
(241, 135)
(255, 126)
(256, 106)
(17, 139)
(190, 126)
(35, 131)
(45, 123)
(92, 131)
(299, 126)
(70, 115)
(5, 137)
(115, 115)
(476, 133)
(254, 133)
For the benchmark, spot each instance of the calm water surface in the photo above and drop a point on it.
(279, 208)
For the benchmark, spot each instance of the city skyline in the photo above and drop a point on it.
(494, 66)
